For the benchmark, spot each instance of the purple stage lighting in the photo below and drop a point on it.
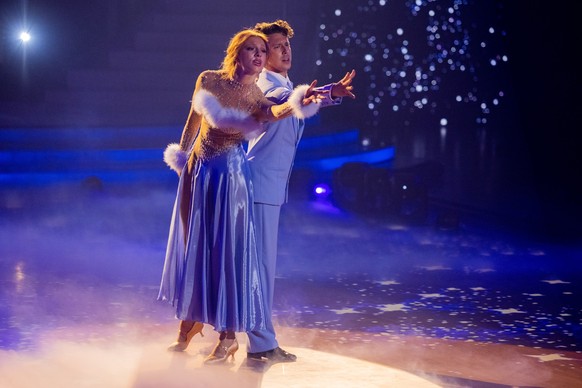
(321, 190)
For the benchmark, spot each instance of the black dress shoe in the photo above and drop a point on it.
(273, 356)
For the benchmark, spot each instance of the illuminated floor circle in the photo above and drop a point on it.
(319, 369)
(146, 363)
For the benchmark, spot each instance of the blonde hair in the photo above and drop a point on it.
(278, 26)
(229, 65)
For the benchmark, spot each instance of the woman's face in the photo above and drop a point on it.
(252, 56)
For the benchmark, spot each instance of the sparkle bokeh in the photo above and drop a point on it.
(420, 63)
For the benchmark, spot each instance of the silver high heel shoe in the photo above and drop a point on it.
(224, 349)
(188, 329)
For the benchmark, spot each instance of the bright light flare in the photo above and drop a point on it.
(25, 37)
(321, 190)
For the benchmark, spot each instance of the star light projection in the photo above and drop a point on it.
(424, 62)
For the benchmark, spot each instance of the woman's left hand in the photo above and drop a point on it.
(311, 96)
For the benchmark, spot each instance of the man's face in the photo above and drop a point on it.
(279, 58)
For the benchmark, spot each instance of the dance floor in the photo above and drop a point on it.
(362, 301)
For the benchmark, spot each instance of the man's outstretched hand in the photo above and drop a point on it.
(344, 87)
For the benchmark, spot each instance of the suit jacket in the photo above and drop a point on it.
(271, 155)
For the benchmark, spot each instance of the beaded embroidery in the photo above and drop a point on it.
(230, 94)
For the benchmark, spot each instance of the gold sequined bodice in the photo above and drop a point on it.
(212, 141)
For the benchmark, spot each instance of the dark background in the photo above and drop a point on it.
(71, 34)
(546, 74)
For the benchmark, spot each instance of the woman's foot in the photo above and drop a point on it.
(225, 348)
(188, 329)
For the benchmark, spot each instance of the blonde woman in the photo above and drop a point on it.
(211, 271)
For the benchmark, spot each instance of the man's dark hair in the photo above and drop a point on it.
(278, 26)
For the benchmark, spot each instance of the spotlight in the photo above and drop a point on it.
(321, 190)
(24, 37)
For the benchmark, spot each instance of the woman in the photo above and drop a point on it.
(211, 272)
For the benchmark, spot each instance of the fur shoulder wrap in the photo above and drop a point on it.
(206, 104)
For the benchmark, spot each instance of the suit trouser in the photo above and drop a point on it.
(267, 230)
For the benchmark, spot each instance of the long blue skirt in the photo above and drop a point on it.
(211, 271)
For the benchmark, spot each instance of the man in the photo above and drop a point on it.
(271, 158)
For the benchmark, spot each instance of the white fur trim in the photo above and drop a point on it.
(299, 110)
(206, 104)
(175, 158)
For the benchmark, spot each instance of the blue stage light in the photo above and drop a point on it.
(321, 190)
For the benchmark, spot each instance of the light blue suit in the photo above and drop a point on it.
(271, 157)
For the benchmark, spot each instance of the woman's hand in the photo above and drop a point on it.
(311, 96)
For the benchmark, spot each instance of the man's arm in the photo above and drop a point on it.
(302, 102)
(332, 94)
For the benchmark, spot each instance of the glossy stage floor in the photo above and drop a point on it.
(362, 301)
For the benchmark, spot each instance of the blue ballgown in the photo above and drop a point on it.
(211, 271)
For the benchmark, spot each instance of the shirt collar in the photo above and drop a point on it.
(283, 79)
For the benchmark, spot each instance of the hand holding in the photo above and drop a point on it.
(310, 95)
